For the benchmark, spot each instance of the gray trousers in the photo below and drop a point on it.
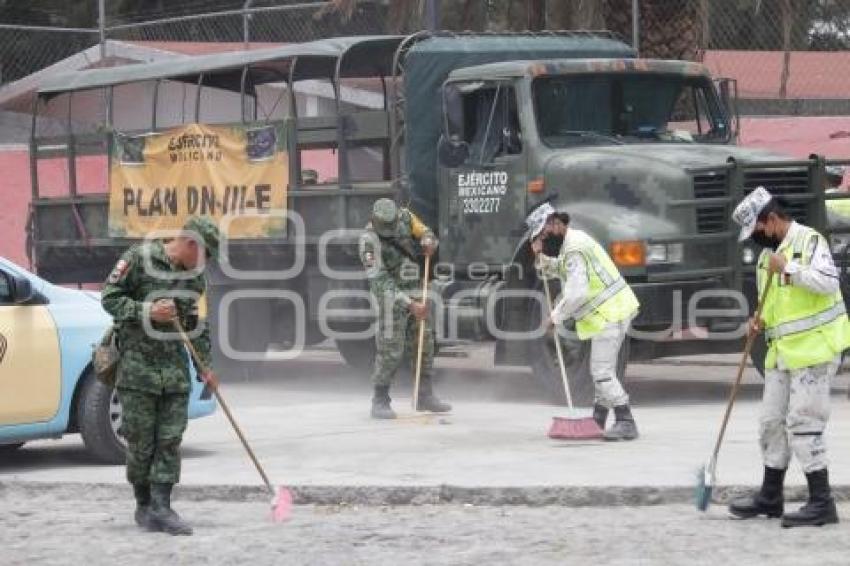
(604, 350)
(794, 413)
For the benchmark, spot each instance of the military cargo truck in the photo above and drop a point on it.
(471, 131)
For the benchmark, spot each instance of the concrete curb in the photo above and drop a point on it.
(567, 496)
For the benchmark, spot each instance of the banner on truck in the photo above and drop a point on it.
(158, 180)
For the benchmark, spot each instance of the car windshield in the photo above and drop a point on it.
(616, 108)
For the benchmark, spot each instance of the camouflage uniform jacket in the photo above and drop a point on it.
(150, 363)
(393, 275)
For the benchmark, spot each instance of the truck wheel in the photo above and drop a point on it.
(544, 364)
(99, 416)
(358, 354)
(757, 354)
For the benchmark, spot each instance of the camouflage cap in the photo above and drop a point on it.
(384, 217)
(207, 230)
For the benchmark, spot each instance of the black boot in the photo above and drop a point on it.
(624, 427)
(600, 415)
(162, 517)
(381, 403)
(142, 493)
(820, 509)
(427, 401)
(768, 501)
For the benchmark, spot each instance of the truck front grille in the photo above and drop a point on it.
(715, 218)
(782, 182)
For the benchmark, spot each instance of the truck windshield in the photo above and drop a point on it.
(618, 108)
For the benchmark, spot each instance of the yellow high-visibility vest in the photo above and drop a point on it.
(609, 298)
(803, 327)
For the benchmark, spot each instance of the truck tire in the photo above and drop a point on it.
(757, 354)
(99, 416)
(544, 364)
(358, 354)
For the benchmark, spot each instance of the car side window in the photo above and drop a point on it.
(5, 289)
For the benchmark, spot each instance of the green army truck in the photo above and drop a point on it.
(471, 131)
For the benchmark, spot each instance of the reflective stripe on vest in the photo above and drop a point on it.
(807, 323)
(594, 303)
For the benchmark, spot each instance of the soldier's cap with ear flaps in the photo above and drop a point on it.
(205, 228)
(384, 217)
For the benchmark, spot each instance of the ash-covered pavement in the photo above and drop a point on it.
(506, 493)
(59, 529)
(309, 424)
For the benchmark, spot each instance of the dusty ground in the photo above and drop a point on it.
(70, 529)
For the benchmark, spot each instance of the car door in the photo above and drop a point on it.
(30, 364)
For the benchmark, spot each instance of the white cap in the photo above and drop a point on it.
(747, 212)
(538, 217)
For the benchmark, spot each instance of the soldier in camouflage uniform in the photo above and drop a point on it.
(394, 240)
(150, 286)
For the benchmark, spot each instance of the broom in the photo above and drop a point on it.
(572, 426)
(418, 373)
(281, 497)
(706, 475)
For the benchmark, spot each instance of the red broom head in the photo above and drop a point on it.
(281, 505)
(564, 428)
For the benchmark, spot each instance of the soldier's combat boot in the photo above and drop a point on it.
(624, 427)
(162, 517)
(381, 403)
(768, 501)
(600, 415)
(820, 509)
(427, 401)
(142, 493)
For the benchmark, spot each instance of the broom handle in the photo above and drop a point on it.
(421, 336)
(203, 369)
(748, 346)
(558, 348)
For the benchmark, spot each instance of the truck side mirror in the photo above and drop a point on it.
(452, 152)
(729, 98)
(21, 289)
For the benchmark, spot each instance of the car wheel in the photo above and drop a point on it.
(99, 416)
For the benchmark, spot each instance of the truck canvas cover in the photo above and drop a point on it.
(428, 64)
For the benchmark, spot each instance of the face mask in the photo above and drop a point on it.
(765, 241)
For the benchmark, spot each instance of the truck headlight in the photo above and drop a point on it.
(665, 253)
(748, 256)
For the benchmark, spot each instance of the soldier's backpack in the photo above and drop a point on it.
(105, 358)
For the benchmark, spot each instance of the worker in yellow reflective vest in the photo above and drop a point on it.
(837, 210)
(806, 329)
(596, 296)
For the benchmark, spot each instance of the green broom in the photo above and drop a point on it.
(706, 475)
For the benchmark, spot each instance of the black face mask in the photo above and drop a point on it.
(765, 241)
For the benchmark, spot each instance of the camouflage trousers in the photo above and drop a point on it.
(794, 413)
(153, 426)
(397, 336)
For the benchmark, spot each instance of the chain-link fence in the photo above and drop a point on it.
(777, 49)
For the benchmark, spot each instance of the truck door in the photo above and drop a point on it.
(483, 193)
(30, 374)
